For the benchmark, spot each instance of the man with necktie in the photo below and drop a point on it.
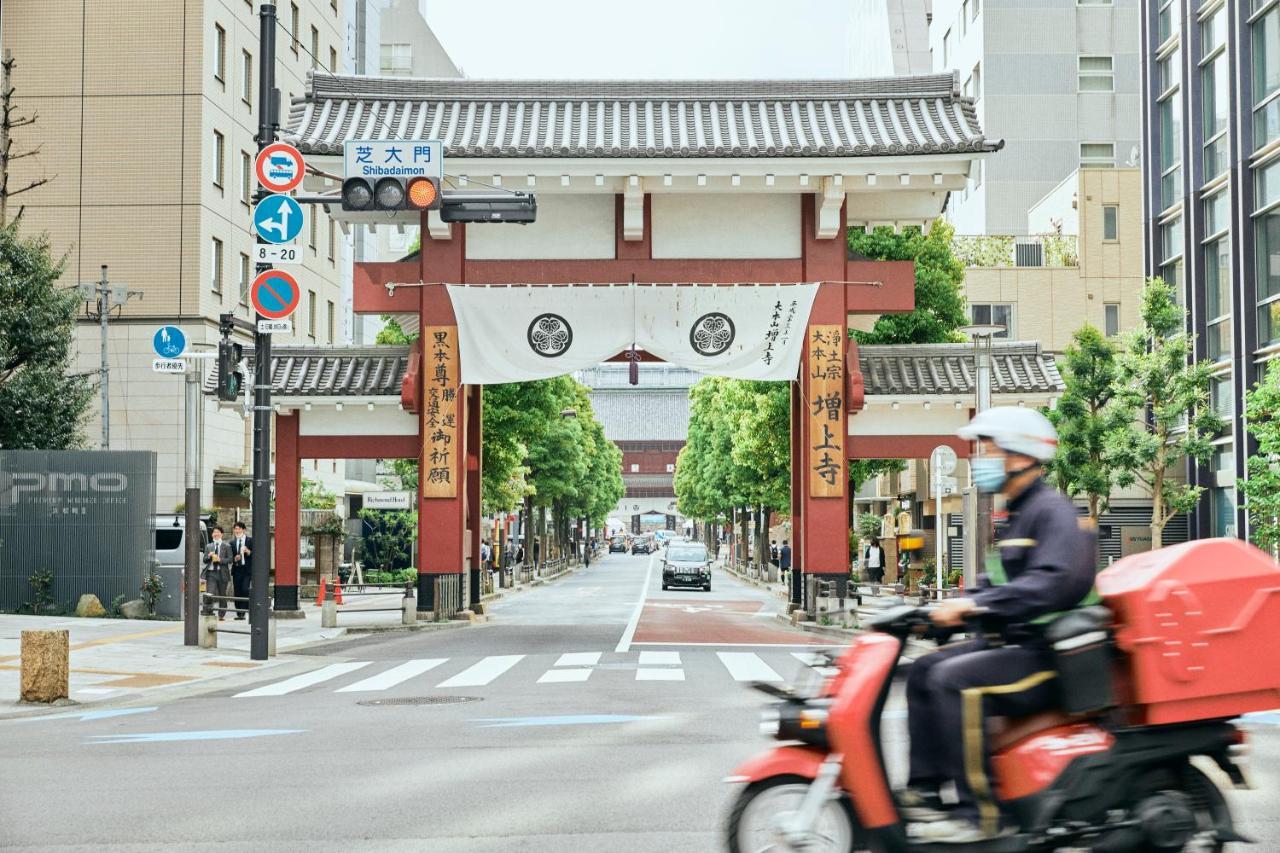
(241, 566)
(217, 569)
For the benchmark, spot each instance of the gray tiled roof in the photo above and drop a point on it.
(949, 369)
(638, 414)
(645, 118)
(334, 371)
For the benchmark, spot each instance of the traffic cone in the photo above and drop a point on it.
(337, 589)
(321, 595)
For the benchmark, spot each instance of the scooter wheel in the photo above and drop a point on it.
(759, 814)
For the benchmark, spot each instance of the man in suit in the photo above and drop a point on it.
(217, 569)
(784, 557)
(241, 566)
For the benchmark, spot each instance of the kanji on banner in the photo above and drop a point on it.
(825, 367)
(511, 333)
(440, 413)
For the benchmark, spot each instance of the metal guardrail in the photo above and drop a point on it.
(329, 609)
(209, 628)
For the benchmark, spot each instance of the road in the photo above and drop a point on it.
(594, 713)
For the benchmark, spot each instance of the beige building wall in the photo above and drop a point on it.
(1051, 303)
(129, 98)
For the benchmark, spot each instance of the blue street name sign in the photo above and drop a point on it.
(278, 219)
(169, 342)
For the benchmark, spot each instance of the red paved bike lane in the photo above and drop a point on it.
(715, 622)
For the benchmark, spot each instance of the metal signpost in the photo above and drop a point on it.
(942, 463)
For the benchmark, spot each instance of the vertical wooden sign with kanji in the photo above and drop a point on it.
(825, 366)
(440, 414)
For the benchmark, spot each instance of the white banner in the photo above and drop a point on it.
(511, 333)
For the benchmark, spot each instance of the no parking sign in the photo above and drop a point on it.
(275, 294)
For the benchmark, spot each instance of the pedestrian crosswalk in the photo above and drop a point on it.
(702, 665)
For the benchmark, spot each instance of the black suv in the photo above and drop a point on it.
(686, 564)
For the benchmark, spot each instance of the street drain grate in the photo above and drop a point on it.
(420, 700)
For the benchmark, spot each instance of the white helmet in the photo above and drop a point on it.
(1014, 430)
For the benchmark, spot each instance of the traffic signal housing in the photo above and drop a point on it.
(413, 193)
(229, 379)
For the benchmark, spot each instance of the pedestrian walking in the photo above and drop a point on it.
(873, 561)
(773, 551)
(241, 566)
(784, 557)
(217, 569)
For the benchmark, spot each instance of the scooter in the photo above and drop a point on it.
(1092, 781)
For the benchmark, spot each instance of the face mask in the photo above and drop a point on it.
(989, 474)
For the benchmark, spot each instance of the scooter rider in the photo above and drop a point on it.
(1045, 564)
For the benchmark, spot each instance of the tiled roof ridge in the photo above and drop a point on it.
(325, 85)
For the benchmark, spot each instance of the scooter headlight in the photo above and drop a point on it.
(770, 721)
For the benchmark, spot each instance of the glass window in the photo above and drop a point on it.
(1218, 344)
(397, 59)
(333, 239)
(1217, 278)
(311, 313)
(1269, 323)
(1110, 222)
(1171, 240)
(215, 266)
(1214, 80)
(946, 49)
(1266, 78)
(1097, 154)
(333, 61)
(1220, 398)
(974, 9)
(1213, 31)
(1266, 187)
(315, 48)
(964, 17)
(294, 25)
(1217, 213)
(219, 158)
(987, 314)
(246, 76)
(1096, 74)
(311, 230)
(1224, 511)
(1111, 319)
(329, 317)
(1170, 70)
(1266, 232)
(1224, 457)
(219, 53)
(1093, 2)
(1172, 275)
(1166, 20)
(1170, 150)
(244, 279)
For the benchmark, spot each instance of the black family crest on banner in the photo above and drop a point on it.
(712, 334)
(550, 335)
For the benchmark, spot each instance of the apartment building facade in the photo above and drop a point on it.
(1057, 80)
(1211, 140)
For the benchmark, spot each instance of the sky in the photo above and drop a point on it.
(649, 39)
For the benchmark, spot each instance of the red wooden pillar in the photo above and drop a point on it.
(824, 523)
(441, 519)
(288, 505)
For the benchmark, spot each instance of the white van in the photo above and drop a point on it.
(171, 540)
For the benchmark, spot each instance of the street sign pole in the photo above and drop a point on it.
(942, 462)
(258, 605)
(191, 560)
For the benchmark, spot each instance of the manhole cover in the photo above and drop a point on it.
(420, 700)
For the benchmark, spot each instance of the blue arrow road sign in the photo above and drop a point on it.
(169, 342)
(278, 219)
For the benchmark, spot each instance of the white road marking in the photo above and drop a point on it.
(561, 676)
(393, 676)
(747, 666)
(480, 674)
(659, 658)
(307, 679)
(816, 663)
(659, 675)
(624, 644)
(740, 645)
(578, 659)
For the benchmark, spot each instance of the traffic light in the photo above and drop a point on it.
(229, 378)
(415, 193)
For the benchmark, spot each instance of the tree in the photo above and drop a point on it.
(1262, 488)
(939, 310)
(1162, 402)
(1084, 417)
(387, 543)
(315, 496)
(42, 405)
(8, 123)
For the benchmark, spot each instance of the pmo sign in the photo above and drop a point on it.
(393, 158)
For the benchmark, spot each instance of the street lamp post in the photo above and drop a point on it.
(978, 515)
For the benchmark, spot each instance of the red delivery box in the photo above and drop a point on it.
(1200, 623)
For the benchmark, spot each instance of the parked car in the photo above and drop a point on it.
(171, 539)
(687, 564)
(618, 545)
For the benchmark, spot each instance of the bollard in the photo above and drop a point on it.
(46, 666)
(409, 609)
(271, 635)
(329, 614)
(208, 631)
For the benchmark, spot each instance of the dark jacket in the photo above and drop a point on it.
(1049, 559)
(247, 563)
(784, 557)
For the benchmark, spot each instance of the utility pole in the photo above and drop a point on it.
(106, 296)
(191, 564)
(7, 124)
(259, 614)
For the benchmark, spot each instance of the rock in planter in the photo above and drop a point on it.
(89, 605)
(45, 665)
(136, 609)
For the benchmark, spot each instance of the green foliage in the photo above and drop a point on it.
(314, 496)
(41, 583)
(868, 526)
(1262, 489)
(328, 525)
(387, 543)
(1084, 417)
(983, 250)
(392, 334)
(862, 470)
(738, 452)
(42, 406)
(151, 589)
(1162, 400)
(400, 576)
(939, 310)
